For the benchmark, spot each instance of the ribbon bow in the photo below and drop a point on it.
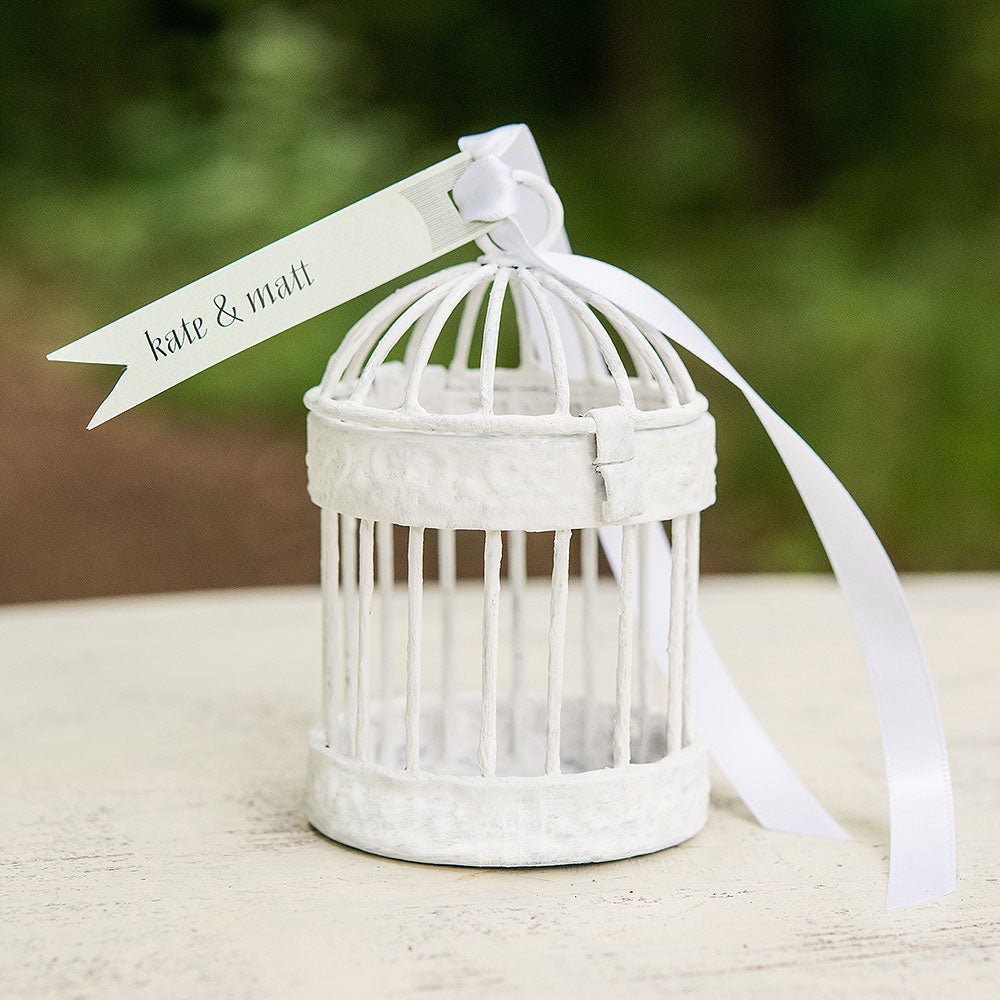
(922, 836)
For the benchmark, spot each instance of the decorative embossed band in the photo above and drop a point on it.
(500, 483)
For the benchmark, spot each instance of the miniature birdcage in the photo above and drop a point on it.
(591, 435)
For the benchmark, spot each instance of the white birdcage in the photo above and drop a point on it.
(507, 773)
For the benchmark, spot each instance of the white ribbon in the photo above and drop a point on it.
(922, 863)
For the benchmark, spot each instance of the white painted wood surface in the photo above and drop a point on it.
(153, 840)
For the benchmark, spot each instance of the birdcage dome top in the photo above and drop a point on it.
(498, 347)
(494, 396)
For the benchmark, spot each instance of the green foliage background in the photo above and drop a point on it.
(815, 183)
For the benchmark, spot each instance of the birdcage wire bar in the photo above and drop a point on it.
(360, 721)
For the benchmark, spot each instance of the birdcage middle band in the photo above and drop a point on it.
(500, 483)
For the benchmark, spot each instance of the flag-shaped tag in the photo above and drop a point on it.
(279, 286)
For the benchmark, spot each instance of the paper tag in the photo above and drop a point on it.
(279, 286)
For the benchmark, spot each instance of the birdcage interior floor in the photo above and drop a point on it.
(586, 741)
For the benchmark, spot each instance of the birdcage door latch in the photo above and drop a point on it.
(617, 464)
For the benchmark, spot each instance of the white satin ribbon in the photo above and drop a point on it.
(922, 862)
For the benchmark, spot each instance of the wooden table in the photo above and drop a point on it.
(154, 843)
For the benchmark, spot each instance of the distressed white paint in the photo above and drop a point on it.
(333, 679)
(366, 572)
(492, 450)
(499, 481)
(626, 641)
(414, 646)
(557, 652)
(487, 756)
(446, 586)
(517, 571)
(597, 815)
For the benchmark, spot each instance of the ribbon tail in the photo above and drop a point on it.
(922, 837)
(747, 756)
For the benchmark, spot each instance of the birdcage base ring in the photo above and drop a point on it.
(512, 820)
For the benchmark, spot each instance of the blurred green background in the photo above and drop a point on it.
(815, 183)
